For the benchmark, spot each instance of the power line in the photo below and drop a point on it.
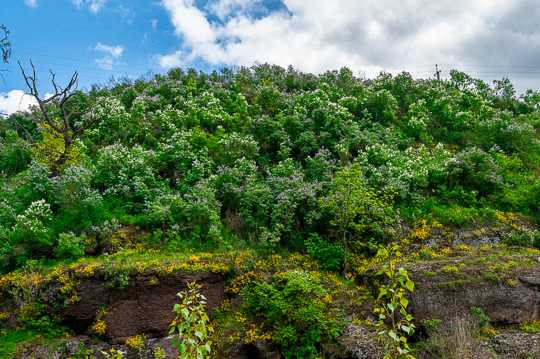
(72, 59)
(511, 66)
(79, 67)
(63, 73)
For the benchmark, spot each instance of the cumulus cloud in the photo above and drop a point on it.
(15, 100)
(319, 35)
(111, 54)
(31, 3)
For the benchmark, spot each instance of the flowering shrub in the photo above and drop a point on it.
(127, 173)
(250, 152)
(31, 236)
(183, 159)
(509, 133)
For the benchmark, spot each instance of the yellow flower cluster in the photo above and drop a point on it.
(254, 334)
(58, 275)
(225, 305)
(100, 327)
(214, 267)
(509, 219)
(450, 269)
(305, 261)
(421, 230)
(238, 283)
(3, 316)
(242, 259)
(464, 247)
(233, 338)
(22, 279)
(530, 326)
(137, 341)
(512, 283)
(88, 271)
(270, 263)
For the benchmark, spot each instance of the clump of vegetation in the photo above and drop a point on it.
(261, 161)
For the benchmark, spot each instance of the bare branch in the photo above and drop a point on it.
(33, 142)
(68, 110)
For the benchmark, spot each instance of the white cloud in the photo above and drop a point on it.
(105, 63)
(127, 14)
(114, 51)
(154, 24)
(319, 35)
(78, 3)
(225, 8)
(93, 5)
(15, 100)
(111, 54)
(31, 3)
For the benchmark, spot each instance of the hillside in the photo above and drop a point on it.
(257, 184)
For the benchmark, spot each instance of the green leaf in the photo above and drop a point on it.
(186, 312)
(404, 302)
(410, 285)
(199, 334)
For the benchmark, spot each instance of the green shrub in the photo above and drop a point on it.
(329, 255)
(70, 246)
(296, 308)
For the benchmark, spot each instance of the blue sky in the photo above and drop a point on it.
(489, 39)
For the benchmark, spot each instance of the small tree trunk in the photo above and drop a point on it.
(345, 255)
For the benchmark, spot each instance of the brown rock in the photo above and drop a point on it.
(139, 308)
(501, 302)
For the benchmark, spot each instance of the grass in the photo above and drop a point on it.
(10, 341)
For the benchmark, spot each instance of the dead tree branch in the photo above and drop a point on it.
(70, 109)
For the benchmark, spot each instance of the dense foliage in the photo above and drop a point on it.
(209, 159)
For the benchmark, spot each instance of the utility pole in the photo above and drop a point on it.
(437, 73)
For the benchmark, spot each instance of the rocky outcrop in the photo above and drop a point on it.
(144, 306)
(507, 301)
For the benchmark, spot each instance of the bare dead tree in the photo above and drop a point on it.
(71, 109)
(5, 48)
